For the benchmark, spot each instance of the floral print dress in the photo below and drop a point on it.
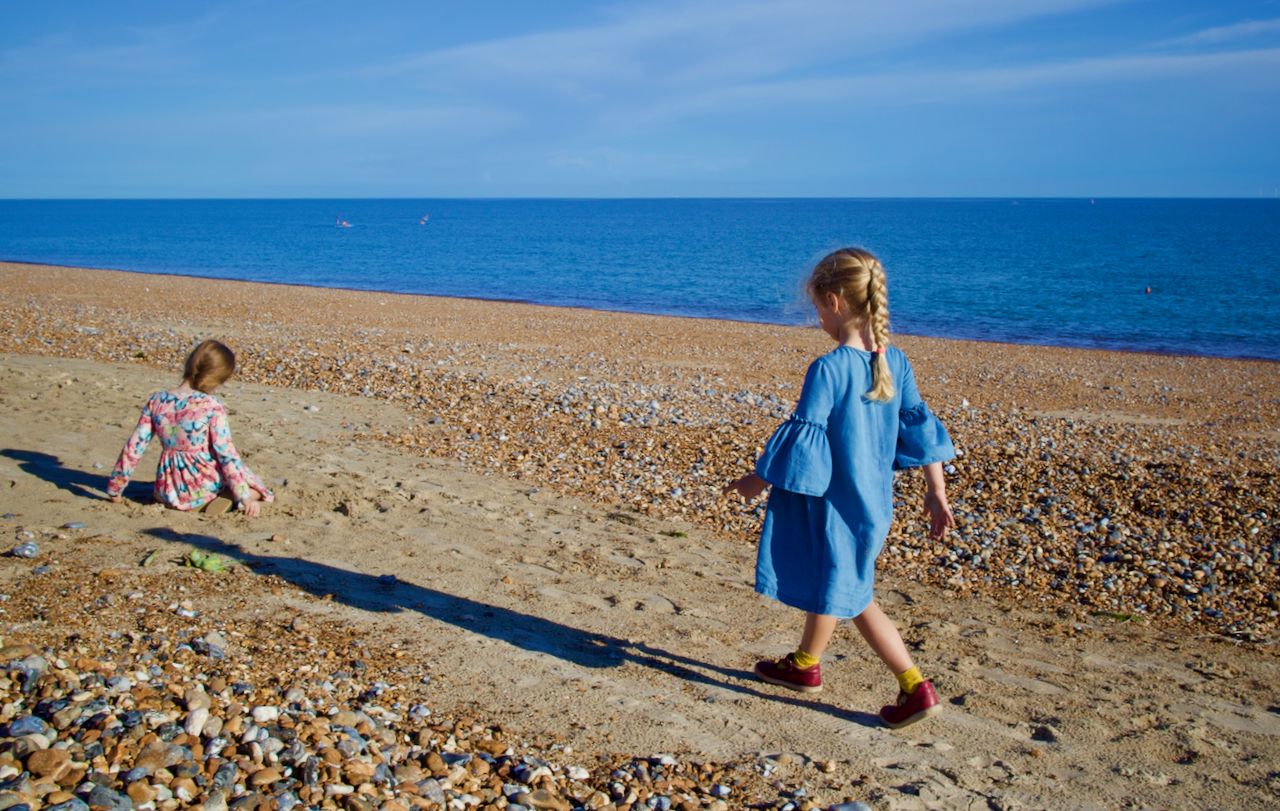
(197, 460)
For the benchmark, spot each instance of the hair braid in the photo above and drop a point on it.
(878, 315)
(857, 277)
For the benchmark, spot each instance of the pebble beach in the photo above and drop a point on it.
(1109, 506)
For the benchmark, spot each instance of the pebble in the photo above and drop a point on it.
(28, 549)
(265, 715)
(178, 725)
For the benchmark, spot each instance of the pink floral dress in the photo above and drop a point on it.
(197, 460)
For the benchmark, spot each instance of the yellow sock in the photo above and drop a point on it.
(804, 660)
(909, 680)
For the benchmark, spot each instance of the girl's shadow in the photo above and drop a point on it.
(77, 482)
(389, 594)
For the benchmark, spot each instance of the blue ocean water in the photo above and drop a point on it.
(1059, 272)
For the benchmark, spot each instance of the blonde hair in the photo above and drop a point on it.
(208, 366)
(857, 277)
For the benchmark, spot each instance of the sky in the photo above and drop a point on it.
(676, 98)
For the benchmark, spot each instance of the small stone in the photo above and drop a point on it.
(436, 765)
(431, 789)
(543, 799)
(140, 792)
(50, 763)
(264, 777)
(26, 725)
(184, 788)
(29, 549)
(216, 801)
(265, 714)
(197, 699)
(102, 798)
(196, 719)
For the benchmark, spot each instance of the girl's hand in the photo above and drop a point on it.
(750, 486)
(251, 508)
(939, 512)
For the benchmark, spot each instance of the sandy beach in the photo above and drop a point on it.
(510, 515)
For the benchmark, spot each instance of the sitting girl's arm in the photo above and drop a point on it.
(935, 501)
(134, 447)
(233, 472)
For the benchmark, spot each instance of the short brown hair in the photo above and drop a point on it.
(209, 365)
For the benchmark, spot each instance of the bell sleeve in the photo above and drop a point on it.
(922, 438)
(798, 455)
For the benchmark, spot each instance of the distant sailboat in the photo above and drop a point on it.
(341, 223)
(424, 219)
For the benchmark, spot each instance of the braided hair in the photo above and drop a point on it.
(858, 277)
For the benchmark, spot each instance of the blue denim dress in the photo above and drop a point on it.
(831, 467)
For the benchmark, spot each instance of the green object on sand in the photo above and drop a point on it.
(150, 557)
(205, 561)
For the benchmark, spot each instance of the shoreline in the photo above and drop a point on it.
(1086, 347)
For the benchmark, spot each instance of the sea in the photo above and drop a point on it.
(1181, 276)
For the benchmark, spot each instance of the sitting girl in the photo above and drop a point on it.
(198, 462)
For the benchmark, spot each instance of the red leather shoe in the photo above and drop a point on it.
(911, 708)
(784, 673)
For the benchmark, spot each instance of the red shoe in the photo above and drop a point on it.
(911, 707)
(784, 673)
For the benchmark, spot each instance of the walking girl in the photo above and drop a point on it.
(831, 465)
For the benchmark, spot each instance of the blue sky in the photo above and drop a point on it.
(280, 98)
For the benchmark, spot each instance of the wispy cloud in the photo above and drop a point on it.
(1227, 33)
(927, 87)
(695, 44)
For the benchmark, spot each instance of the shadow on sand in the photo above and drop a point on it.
(76, 482)
(525, 631)
(371, 593)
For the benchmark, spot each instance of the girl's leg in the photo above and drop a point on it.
(916, 696)
(883, 637)
(818, 629)
(799, 670)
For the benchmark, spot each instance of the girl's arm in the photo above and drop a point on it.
(935, 501)
(134, 447)
(233, 470)
(749, 486)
